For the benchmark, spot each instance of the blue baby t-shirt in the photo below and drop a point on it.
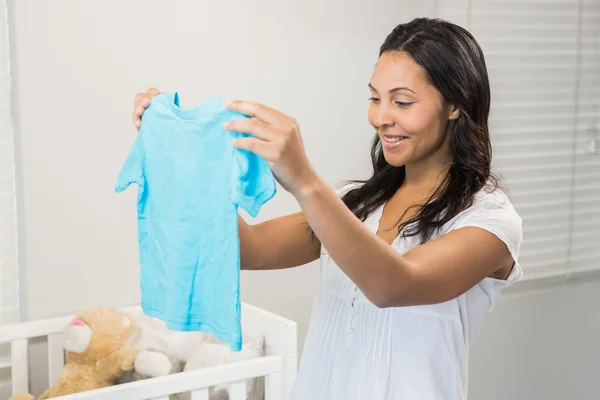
(191, 181)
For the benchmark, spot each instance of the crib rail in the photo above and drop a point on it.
(278, 367)
(197, 382)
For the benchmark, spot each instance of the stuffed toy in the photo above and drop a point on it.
(214, 352)
(153, 363)
(164, 352)
(209, 352)
(98, 351)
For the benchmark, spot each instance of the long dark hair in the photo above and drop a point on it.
(454, 64)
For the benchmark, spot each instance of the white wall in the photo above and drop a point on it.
(540, 344)
(77, 65)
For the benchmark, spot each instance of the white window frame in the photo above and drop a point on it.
(9, 247)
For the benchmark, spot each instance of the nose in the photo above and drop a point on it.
(77, 322)
(382, 115)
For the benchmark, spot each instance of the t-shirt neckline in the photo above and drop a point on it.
(201, 111)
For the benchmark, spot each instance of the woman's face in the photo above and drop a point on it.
(409, 114)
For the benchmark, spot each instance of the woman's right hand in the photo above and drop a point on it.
(140, 103)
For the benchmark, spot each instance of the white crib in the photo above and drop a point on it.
(278, 366)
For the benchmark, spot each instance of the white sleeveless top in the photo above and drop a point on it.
(357, 351)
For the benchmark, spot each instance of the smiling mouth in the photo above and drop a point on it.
(393, 139)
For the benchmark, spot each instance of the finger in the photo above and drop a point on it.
(153, 92)
(137, 121)
(145, 98)
(253, 127)
(256, 110)
(140, 104)
(138, 98)
(257, 146)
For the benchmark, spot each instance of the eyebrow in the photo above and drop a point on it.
(397, 89)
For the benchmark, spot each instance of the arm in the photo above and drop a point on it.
(280, 243)
(434, 272)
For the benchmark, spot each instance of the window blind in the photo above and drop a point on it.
(9, 272)
(585, 237)
(543, 59)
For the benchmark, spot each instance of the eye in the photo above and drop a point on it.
(374, 99)
(403, 104)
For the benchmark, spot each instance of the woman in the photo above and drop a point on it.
(411, 258)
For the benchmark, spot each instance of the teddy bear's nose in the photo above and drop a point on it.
(77, 322)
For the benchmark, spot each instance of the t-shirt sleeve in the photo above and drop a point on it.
(495, 214)
(131, 171)
(252, 183)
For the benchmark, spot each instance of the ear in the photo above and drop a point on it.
(78, 336)
(454, 112)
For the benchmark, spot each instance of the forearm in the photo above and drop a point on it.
(374, 266)
(284, 242)
(250, 246)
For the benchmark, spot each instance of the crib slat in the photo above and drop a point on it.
(237, 391)
(200, 394)
(274, 386)
(19, 366)
(290, 367)
(56, 357)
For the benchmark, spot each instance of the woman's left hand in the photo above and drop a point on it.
(276, 138)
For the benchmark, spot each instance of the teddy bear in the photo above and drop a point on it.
(163, 352)
(188, 352)
(97, 351)
(153, 363)
(213, 352)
